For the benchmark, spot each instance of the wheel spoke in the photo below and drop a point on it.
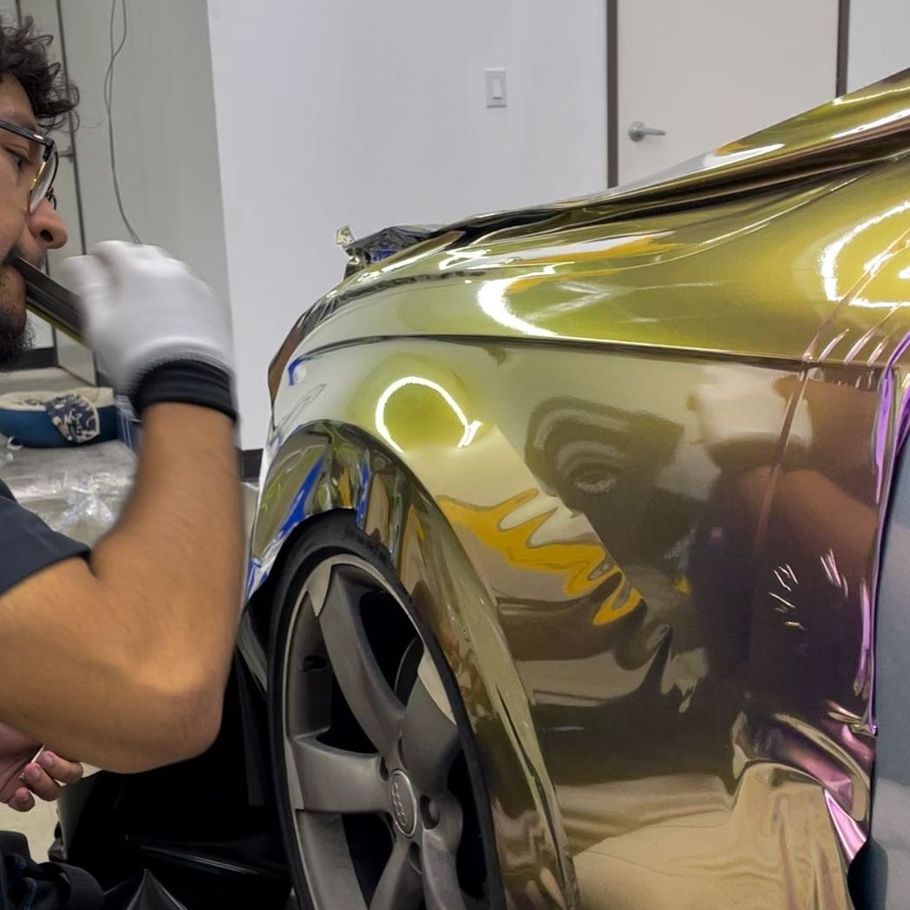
(399, 887)
(440, 878)
(370, 697)
(429, 741)
(334, 780)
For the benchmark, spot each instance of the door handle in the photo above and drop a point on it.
(638, 131)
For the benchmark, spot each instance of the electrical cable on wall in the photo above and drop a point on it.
(109, 104)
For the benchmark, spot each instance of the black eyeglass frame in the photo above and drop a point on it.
(43, 184)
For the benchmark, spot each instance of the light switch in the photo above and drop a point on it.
(497, 95)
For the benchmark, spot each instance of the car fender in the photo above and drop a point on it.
(314, 467)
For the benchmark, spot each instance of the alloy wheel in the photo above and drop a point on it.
(377, 786)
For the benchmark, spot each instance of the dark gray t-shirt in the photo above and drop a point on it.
(27, 544)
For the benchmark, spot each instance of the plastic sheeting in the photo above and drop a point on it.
(78, 491)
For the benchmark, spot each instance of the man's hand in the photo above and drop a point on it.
(20, 777)
(142, 310)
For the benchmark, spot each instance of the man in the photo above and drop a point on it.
(117, 656)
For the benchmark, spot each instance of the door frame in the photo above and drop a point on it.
(612, 37)
(843, 45)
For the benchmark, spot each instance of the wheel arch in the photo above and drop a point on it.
(325, 467)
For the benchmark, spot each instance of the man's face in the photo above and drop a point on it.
(29, 235)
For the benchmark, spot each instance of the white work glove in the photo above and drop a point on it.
(141, 309)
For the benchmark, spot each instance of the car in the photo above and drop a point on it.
(578, 570)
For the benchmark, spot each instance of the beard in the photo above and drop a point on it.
(15, 333)
(15, 340)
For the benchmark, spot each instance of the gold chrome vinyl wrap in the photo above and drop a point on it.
(635, 476)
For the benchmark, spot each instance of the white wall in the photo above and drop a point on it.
(879, 40)
(42, 333)
(165, 129)
(166, 140)
(71, 355)
(373, 114)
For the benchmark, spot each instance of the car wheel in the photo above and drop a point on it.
(379, 794)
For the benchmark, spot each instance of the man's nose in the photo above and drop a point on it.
(47, 227)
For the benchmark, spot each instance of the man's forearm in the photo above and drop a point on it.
(177, 549)
(122, 662)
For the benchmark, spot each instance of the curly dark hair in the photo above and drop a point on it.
(24, 56)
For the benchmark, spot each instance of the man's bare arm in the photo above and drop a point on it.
(122, 660)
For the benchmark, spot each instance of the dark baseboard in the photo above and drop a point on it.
(250, 462)
(36, 359)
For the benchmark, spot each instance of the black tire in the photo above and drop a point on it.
(391, 809)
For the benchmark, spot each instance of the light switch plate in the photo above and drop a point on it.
(497, 94)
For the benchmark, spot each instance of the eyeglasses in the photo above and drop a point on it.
(44, 167)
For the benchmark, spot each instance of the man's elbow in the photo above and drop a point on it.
(194, 726)
(178, 726)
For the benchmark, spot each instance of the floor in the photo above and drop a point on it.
(77, 491)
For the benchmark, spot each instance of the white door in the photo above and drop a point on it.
(710, 71)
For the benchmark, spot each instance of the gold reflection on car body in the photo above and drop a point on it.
(583, 568)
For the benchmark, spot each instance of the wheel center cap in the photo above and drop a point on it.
(404, 803)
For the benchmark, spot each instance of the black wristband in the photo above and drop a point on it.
(186, 382)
